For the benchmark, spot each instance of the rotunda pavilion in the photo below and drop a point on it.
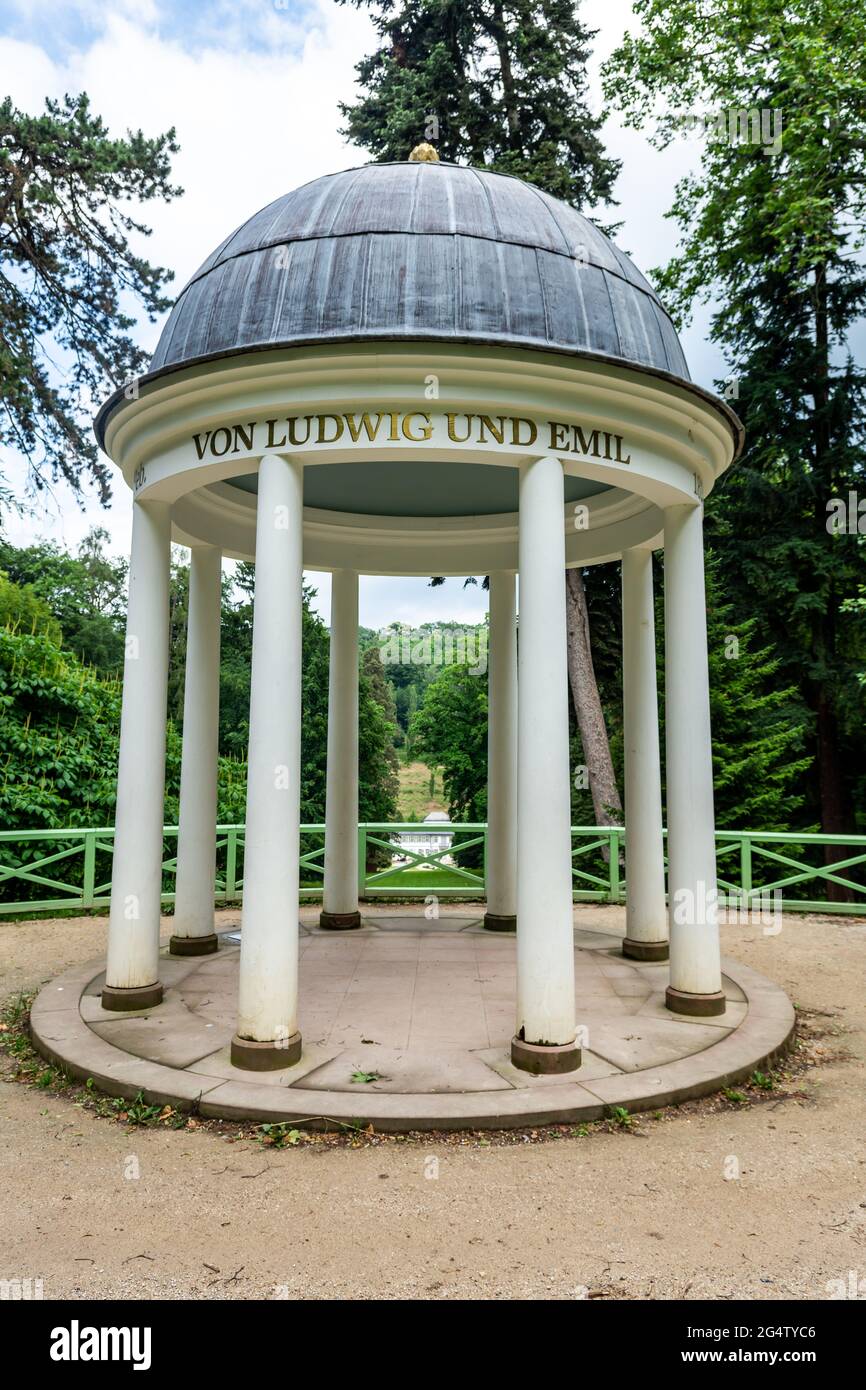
(416, 369)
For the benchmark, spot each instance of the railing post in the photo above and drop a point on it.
(362, 860)
(746, 870)
(231, 861)
(89, 884)
(484, 858)
(613, 865)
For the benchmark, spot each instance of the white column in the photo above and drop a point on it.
(267, 1034)
(646, 931)
(695, 975)
(132, 972)
(501, 914)
(545, 1037)
(340, 902)
(194, 933)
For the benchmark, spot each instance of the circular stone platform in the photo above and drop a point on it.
(426, 1007)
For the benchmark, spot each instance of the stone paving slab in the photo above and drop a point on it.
(592, 1068)
(402, 1072)
(435, 1024)
(219, 1064)
(654, 1007)
(174, 1039)
(634, 1044)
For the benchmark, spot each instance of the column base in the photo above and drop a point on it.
(542, 1060)
(135, 997)
(697, 1005)
(193, 945)
(265, 1056)
(646, 950)
(496, 921)
(339, 921)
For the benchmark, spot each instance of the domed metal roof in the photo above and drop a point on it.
(420, 251)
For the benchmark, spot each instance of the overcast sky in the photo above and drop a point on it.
(252, 87)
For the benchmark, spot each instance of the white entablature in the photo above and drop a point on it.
(641, 441)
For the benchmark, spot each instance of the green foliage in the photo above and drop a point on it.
(314, 725)
(763, 1081)
(66, 269)
(407, 658)
(279, 1134)
(504, 84)
(450, 732)
(378, 780)
(58, 735)
(620, 1118)
(236, 650)
(758, 729)
(759, 732)
(21, 609)
(86, 593)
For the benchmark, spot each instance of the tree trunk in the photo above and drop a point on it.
(500, 38)
(606, 801)
(836, 817)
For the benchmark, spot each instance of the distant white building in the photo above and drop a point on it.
(426, 840)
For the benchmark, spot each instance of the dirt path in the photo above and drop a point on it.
(99, 1211)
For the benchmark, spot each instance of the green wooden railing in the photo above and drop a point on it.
(69, 870)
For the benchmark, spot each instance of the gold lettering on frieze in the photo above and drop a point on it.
(367, 427)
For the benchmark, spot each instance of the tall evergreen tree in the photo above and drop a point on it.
(500, 83)
(772, 226)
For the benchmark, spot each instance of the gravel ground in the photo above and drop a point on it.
(98, 1210)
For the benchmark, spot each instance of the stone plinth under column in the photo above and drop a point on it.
(339, 921)
(539, 1060)
(497, 921)
(194, 945)
(645, 950)
(250, 1055)
(695, 1005)
(131, 1000)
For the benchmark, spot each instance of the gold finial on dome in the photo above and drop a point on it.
(423, 154)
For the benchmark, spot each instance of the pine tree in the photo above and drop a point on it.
(495, 83)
